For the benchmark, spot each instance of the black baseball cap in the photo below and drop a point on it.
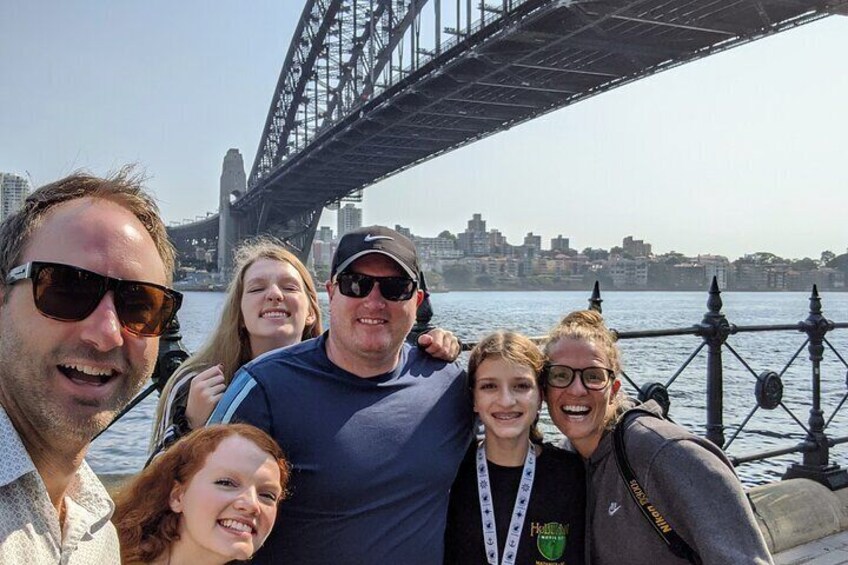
(375, 239)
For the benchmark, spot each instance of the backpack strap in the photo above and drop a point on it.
(663, 529)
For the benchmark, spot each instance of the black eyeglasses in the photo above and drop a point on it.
(593, 378)
(71, 294)
(357, 285)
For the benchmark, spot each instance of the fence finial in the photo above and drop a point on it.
(595, 300)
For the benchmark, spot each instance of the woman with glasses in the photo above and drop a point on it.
(211, 498)
(515, 499)
(670, 497)
(271, 302)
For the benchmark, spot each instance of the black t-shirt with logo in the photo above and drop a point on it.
(555, 521)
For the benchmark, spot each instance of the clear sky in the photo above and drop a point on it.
(743, 151)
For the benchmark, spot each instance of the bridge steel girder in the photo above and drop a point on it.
(531, 58)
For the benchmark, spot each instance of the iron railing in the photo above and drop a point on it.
(714, 329)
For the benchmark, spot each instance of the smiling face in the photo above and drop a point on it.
(579, 413)
(366, 334)
(228, 507)
(62, 382)
(274, 305)
(507, 399)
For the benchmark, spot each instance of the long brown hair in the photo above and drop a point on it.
(229, 343)
(517, 349)
(145, 522)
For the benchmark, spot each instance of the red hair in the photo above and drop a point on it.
(145, 522)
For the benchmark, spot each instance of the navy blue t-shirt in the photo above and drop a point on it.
(372, 459)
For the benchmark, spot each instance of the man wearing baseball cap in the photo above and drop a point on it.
(374, 428)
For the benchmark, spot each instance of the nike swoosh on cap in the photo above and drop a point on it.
(370, 237)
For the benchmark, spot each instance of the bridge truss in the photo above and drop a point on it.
(372, 87)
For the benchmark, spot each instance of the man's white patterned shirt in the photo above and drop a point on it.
(30, 533)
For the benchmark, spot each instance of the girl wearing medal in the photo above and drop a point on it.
(515, 499)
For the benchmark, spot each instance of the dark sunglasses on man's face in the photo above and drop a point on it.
(593, 378)
(71, 294)
(357, 285)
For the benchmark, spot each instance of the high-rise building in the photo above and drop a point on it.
(476, 224)
(559, 243)
(406, 232)
(325, 234)
(534, 241)
(636, 247)
(349, 219)
(474, 240)
(13, 191)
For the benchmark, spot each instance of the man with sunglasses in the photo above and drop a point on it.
(84, 268)
(375, 429)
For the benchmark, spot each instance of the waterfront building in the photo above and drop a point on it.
(559, 243)
(406, 232)
(436, 247)
(325, 234)
(823, 277)
(628, 273)
(498, 244)
(322, 253)
(474, 240)
(533, 241)
(13, 191)
(349, 218)
(636, 247)
(715, 266)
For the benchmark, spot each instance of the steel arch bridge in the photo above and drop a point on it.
(372, 87)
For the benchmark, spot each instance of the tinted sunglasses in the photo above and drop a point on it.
(593, 378)
(71, 294)
(357, 285)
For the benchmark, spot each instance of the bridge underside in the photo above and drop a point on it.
(537, 57)
(545, 55)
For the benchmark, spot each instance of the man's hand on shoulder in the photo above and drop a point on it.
(441, 344)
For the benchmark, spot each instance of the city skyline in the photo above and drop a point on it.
(737, 153)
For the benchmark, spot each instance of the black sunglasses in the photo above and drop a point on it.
(593, 378)
(71, 294)
(357, 285)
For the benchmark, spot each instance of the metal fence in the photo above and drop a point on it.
(717, 354)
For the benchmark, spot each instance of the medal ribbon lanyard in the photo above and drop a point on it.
(519, 511)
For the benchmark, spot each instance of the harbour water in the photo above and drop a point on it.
(472, 314)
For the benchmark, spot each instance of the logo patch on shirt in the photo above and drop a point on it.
(551, 539)
(614, 506)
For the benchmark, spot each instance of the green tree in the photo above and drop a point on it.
(827, 257)
(805, 264)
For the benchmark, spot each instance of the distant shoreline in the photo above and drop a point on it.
(588, 290)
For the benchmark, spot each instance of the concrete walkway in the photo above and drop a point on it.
(831, 550)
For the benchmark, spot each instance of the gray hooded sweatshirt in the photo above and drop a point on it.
(688, 479)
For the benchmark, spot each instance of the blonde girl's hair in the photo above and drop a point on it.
(229, 343)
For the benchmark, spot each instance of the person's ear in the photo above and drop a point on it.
(419, 298)
(175, 500)
(616, 384)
